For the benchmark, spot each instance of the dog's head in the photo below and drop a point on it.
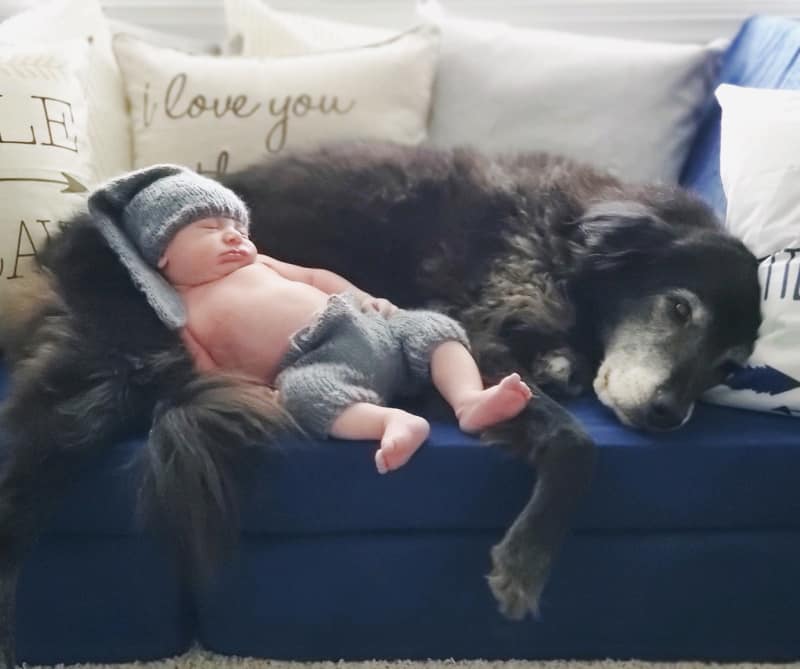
(674, 302)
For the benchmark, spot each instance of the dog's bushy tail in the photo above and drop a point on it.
(198, 449)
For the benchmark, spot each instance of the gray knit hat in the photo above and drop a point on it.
(140, 212)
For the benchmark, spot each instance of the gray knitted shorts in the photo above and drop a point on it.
(347, 356)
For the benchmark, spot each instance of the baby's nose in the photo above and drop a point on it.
(231, 235)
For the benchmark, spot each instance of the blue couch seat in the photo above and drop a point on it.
(675, 519)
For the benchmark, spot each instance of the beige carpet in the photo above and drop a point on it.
(198, 659)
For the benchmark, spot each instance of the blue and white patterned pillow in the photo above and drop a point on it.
(760, 167)
(770, 381)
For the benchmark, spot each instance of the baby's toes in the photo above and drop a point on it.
(388, 454)
(381, 461)
(509, 382)
(384, 457)
(514, 383)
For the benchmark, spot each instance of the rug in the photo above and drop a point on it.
(200, 659)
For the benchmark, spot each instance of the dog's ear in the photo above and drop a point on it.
(614, 235)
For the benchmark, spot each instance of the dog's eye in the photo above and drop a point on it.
(680, 310)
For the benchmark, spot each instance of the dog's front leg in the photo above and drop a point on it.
(552, 441)
(526, 334)
(561, 371)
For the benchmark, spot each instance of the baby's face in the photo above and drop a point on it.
(206, 250)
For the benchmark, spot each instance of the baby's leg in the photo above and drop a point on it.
(456, 376)
(399, 432)
(494, 404)
(436, 345)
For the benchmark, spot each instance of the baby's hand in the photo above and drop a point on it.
(379, 304)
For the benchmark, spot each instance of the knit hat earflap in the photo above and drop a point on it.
(140, 212)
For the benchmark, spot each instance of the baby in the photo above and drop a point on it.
(336, 354)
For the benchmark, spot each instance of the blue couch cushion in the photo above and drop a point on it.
(764, 54)
(94, 589)
(103, 599)
(716, 595)
(726, 469)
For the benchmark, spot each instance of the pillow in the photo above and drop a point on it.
(268, 32)
(760, 169)
(626, 105)
(63, 20)
(45, 157)
(159, 38)
(218, 114)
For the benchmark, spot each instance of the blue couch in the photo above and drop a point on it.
(688, 545)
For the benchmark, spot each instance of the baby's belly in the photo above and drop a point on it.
(250, 331)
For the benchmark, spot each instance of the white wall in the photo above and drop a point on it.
(679, 20)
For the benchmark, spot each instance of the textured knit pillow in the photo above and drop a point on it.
(269, 32)
(45, 157)
(760, 169)
(64, 20)
(218, 114)
(630, 106)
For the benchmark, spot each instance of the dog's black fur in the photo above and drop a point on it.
(549, 264)
(91, 363)
(553, 267)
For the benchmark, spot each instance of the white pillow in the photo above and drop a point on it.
(64, 20)
(626, 105)
(268, 32)
(45, 158)
(159, 38)
(256, 108)
(760, 169)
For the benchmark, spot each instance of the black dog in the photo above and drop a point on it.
(557, 271)
(554, 268)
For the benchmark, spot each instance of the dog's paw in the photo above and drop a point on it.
(561, 372)
(517, 580)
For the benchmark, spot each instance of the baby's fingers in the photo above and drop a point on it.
(370, 304)
(386, 308)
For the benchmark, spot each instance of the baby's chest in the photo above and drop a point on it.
(232, 299)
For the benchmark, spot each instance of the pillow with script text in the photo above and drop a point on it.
(220, 114)
(45, 161)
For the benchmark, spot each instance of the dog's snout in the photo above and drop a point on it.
(665, 412)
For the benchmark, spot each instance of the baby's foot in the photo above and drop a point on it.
(495, 404)
(403, 434)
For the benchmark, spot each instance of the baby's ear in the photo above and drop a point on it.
(162, 261)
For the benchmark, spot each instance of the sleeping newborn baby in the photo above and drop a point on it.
(336, 355)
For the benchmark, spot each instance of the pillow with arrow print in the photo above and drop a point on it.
(45, 162)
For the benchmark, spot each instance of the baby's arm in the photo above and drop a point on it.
(327, 282)
(202, 360)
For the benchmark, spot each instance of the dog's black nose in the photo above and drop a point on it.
(665, 411)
